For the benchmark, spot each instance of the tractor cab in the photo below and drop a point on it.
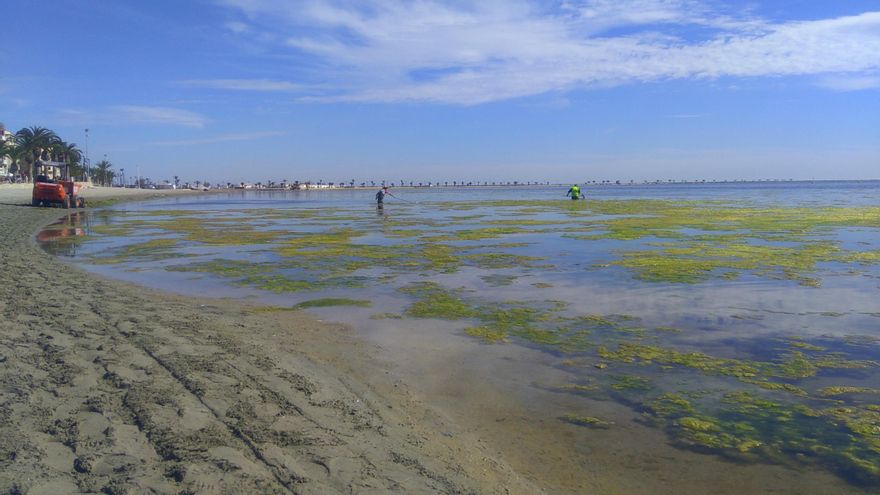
(54, 187)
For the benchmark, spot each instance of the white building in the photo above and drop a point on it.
(5, 161)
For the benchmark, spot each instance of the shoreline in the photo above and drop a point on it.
(112, 387)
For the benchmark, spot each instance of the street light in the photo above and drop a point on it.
(88, 163)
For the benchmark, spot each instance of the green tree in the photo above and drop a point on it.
(102, 173)
(72, 156)
(33, 143)
(9, 149)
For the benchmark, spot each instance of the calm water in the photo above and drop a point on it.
(572, 364)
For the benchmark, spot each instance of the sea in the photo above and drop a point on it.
(651, 338)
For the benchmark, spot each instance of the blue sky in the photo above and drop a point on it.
(425, 90)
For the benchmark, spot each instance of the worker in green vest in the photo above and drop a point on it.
(575, 192)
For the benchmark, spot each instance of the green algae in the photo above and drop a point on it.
(697, 424)
(578, 388)
(844, 390)
(667, 329)
(278, 283)
(217, 232)
(628, 352)
(722, 246)
(436, 302)
(587, 421)
(332, 301)
(439, 257)
(517, 222)
(748, 424)
(508, 245)
(862, 257)
(226, 268)
(728, 241)
(386, 316)
(696, 262)
(498, 321)
(281, 284)
(630, 382)
(152, 250)
(477, 234)
(498, 280)
(793, 366)
(798, 344)
(498, 260)
(487, 334)
(271, 309)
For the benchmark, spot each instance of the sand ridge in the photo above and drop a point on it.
(108, 387)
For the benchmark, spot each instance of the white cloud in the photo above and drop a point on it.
(237, 27)
(243, 84)
(157, 115)
(244, 136)
(476, 52)
(850, 83)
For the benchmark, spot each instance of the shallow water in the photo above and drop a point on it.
(677, 338)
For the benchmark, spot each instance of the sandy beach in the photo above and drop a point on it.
(112, 388)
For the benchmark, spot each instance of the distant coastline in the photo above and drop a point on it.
(312, 186)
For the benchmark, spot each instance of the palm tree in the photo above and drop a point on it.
(71, 155)
(101, 172)
(8, 149)
(33, 142)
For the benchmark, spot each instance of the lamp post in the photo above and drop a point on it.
(87, 162)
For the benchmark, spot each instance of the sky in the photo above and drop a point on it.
(426, 90)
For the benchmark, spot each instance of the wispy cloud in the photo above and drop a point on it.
(242, 84)
(132, 114)
(244, 136)
(482, 51)
(158, 115)
(850, 83)
(237, 27)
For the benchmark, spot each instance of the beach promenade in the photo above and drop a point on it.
(112, 388)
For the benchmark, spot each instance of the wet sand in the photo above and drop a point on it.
(108, 387)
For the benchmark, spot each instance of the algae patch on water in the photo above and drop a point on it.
(332, 301)
(742, 424)
(588, 421)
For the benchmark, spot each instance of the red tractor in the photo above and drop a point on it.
(54, 187)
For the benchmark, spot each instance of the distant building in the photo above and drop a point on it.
(5, 161)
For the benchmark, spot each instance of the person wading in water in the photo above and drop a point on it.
(380, 196)
(575, 192)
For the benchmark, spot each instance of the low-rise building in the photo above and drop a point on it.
(5, 161)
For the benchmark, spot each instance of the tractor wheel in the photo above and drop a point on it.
(74, 201)
(66, 203)
(35, 202)
(82, 202)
